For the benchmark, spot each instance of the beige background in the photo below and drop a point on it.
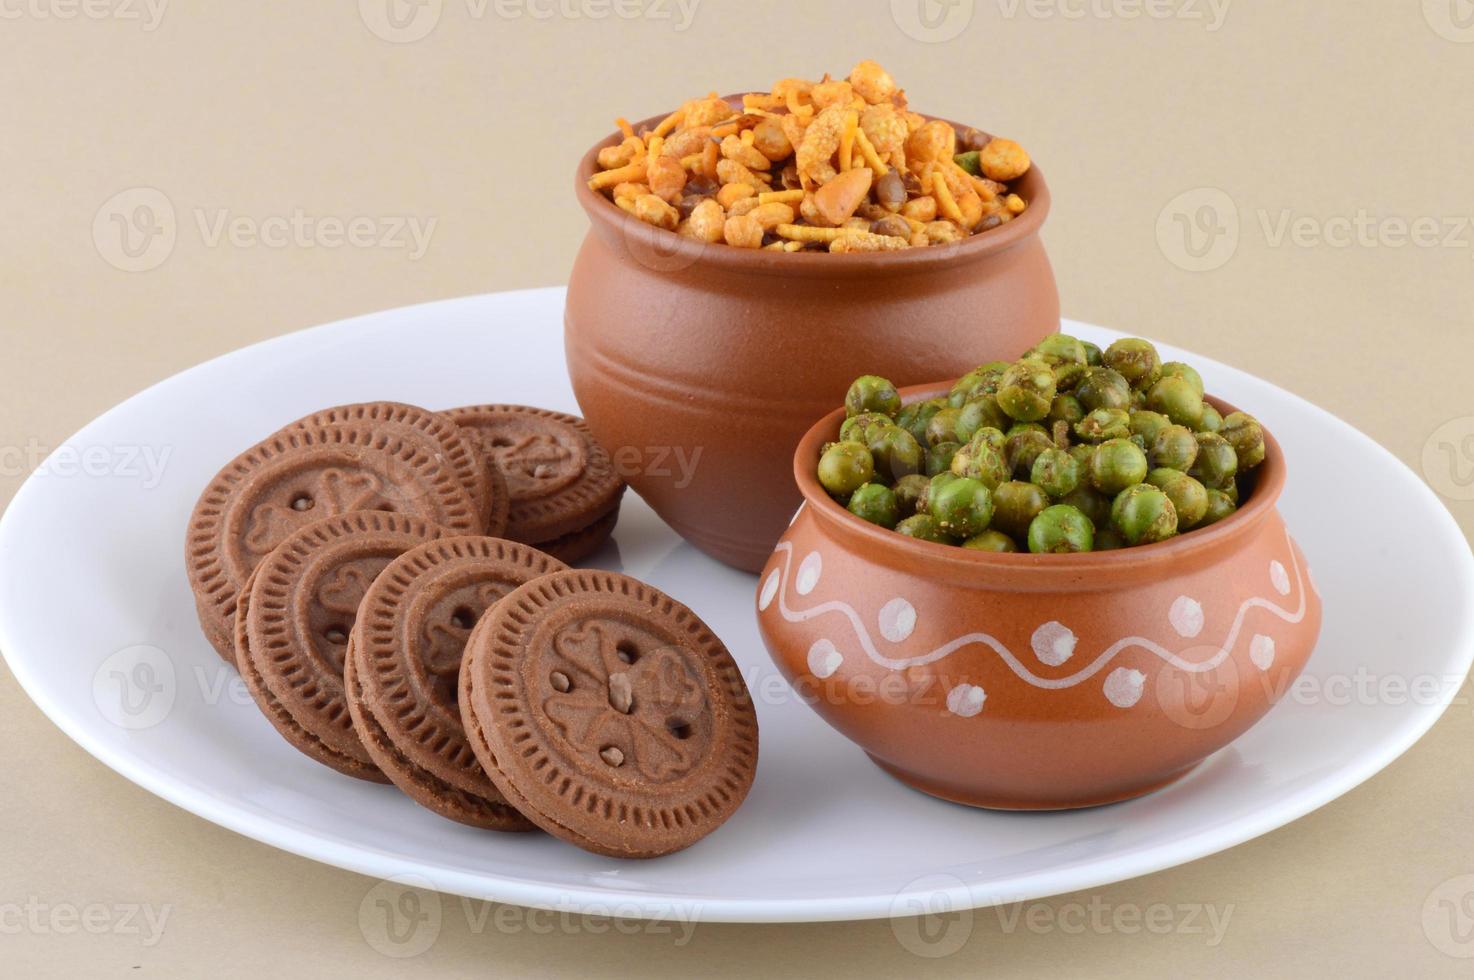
(1314, 109)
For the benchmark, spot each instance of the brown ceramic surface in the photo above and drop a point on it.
(719, 357)
(1037, 681)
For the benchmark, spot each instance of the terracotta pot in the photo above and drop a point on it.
(700, 366)
(1026, 682)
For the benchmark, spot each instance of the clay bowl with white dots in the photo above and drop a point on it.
(1037, 682)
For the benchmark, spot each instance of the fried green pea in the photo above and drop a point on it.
(1093, 355)
(872, 393)
(1023, 449)
(1055, 472)
(1217, 464)
(1145, 515)
(922, 527)
(895, 452)
(980, 413)
(1246, 436)
(1148, 425)
(942, 426)
(1101, 387)
(876, 503)
(982, 380)
(1177, 399)
(856, 428)
(991, 540)
(1116, 465)
(1066, 408)
(1027, 390)
(1089, 501)
(1175, 448)
(1177, 369)
(961, 507)
(1220, 507)
(909, 491)
(1212, 421)
(1015, 505)
(980, 459)
(939, 457)
(1188, 496)
(845, 467)
(1059, 349)
(1103, 424)
(1135, 360)
(1061, 529)
(913, 417)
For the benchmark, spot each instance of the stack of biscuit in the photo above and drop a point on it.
(381, 574)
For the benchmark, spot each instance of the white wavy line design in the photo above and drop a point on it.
(1016, 665)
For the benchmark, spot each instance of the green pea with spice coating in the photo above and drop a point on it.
(913, 417)
(1175, 448)
(939, 457)
(1058, 349)
(1178, 400)
(1177, 369)
(1102, 387)
(981, 460)
(1023, 449)
(1061, 529)
(1093, 354)
(1220, 507)
(1246, 436)
(845, 467)
(982, 380)
(1216, 464)
(1212, 421)
(942, 426)
(1135, 360)
(1089, 501)
(1015, 505)
(1148, 425)
(924, 528)
(1145, 516)
(1065, 408)
(1026, 390)
(961, 507)
(909, 491)
(991, 540)
(857, 428)
(895, 452)
(876, 503)
(1103, 424)
(1116, 465)
(1055, 472)
(872, 393)
(980, 413)
(1188, 496)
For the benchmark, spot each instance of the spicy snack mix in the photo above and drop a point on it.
(837, 164)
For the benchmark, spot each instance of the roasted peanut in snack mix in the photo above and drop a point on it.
(838, 165)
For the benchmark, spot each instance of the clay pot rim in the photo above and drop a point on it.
(604, 213)
(1062, 572)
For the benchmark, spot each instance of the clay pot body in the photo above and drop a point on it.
(1037, 682)
(700, 366)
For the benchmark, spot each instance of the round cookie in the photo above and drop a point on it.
(559, 479)
(295, 622)
(575, 547)
(609, 714)
(297, 477)
(402, 674)
(438, 435)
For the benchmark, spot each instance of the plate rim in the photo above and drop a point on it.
(309, 843)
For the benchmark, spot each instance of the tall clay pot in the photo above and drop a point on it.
(699, 367)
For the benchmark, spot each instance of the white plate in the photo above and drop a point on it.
(97, 623)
